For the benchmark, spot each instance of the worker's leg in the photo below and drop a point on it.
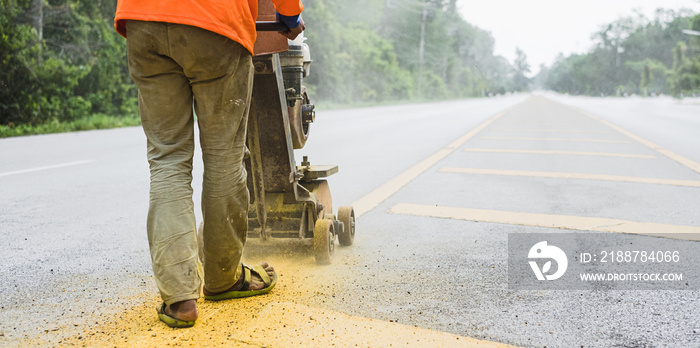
(165, 103)
(220, 72)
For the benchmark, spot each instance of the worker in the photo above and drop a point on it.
(185, 55)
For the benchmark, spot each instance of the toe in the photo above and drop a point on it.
(269, 269)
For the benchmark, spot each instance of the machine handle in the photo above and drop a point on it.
(270, 26)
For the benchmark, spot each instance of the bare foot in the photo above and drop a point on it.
(184, 310)
(256, 283)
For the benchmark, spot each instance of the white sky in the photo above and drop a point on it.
(544, 28)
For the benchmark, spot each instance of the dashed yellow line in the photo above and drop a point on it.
(565, 175)
(568, 222)
(695, 166)
(575, 153)
(560, 139)
(381, 193)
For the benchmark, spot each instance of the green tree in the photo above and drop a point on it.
(634, 54)
(647, 69)
(685, 75)
(521, 67)
(36, 84)
(61, 61)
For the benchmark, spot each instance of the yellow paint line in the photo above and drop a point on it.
(381, 193)
(281, 324)
(695, 166)
(294, 325)
(560, 139)
(575, 153)
(564, 175)
(525, 130)
(568, 222)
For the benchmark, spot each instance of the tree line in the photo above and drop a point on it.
(633, 55)
(378, 50)
(62, 61)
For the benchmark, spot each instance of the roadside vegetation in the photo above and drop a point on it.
(633, 55)
(64, 68)
(392, 50)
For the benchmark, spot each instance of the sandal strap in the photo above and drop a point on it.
(246, 278)
(260, 271)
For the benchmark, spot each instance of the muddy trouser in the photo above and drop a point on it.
(175, 67)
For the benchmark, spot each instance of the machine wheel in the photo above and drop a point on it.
(346, 215)
(323, 195)
(298, 126)
(324, 238)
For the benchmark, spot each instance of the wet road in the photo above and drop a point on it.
(75, 266)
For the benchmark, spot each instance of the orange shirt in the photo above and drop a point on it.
(234, 19)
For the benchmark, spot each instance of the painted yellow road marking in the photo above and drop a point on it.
(560, 139)
(568, 222)
(564, 175)
(381, 193)
(286, 324)
(293, 325)
(526, 130)
(575, 153)
(695, 166)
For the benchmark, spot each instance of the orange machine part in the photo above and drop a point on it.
(269, 42)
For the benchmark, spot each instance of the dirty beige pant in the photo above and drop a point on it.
(175, 66)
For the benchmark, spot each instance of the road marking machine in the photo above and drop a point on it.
(288, 200)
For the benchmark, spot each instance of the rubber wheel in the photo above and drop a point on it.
(299, 129)
(322, 191)
(323, 241)
(346, 215)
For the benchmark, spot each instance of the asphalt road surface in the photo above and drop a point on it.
(438, 189)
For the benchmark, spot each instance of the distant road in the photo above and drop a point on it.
(437, 187)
